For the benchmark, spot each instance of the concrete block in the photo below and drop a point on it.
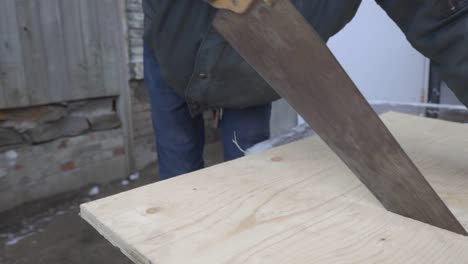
(23, 119)
(136, 42)
(74, 126)
(67, 127)
(45, 132)
(135, 16)
(93, 108)
(99, 113)
(10, 137)
(104, 122)
(135, 33)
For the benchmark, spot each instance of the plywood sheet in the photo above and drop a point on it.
(293, 204)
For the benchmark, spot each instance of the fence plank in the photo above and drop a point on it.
(74, 48)
(35, 63)
(12, 84)
(52, 34)
(111, 32)
(92, 49)
(55, 50)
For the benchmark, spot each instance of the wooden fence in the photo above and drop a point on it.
(60, 50)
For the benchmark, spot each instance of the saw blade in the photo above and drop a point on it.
(285, 50)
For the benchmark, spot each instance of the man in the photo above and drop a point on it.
(190, 68)
(179, 125)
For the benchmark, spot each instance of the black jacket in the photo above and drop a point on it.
(205, 70)
(198, 63)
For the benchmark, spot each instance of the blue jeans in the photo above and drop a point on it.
(180, 138)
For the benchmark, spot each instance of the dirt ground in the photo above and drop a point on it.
(51, 231)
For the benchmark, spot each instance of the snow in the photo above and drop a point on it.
(134, 176)
(93, 191)
(124, 182)
(11, 155)
(296, 133)
(14, 240)
(444, 106)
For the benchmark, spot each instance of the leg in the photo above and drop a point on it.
(179, 137)
(439, 30)
(248, 126)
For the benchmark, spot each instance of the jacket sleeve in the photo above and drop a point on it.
(438, 29)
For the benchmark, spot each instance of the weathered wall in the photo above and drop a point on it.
(51, 149)
(40, 124)
(32, 172)
(62, 143)
(54, 51)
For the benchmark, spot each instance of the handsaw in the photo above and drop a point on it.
(276, 40)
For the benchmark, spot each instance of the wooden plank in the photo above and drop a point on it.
(125, 98)
(12, 82)
(54, 45)
(294, 204)
(55, 51)
(33, 50)
(92, 47)
(75, 50)
(285, 50)
(111, 31)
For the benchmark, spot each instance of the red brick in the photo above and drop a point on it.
(119, 151)
(68, 166)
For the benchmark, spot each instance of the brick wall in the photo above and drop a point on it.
(31, 172)
(135, 38)
(57, 148)
(51, 149)
(145, 150)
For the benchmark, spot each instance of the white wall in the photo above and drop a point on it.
(379, 59)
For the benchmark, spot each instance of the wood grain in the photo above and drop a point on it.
(33, 51)
(11, 63)
(52, 32)
(78, 75)
(294, 204)
(284, 49)
(108, 18)
(91, 38)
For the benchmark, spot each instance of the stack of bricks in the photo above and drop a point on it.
(135, 38)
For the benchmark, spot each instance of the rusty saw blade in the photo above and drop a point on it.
(286, 51)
